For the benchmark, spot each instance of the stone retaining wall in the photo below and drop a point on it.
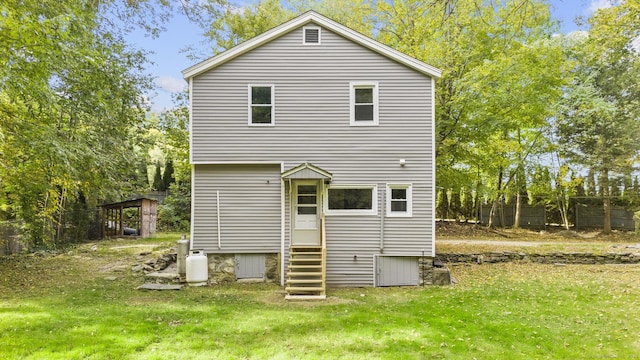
(550, 258)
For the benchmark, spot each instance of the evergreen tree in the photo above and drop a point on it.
(158, 184)
(167, 177)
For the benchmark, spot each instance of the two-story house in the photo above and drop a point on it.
(313, 158)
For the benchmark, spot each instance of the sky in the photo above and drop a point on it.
(168, 59)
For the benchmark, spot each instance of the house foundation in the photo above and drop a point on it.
(223, 268)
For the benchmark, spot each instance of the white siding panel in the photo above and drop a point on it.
(249, 208)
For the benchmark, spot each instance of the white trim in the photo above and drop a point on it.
(433, 168)
(191, 121)
(409, 199)
(250, 104)
(193, 205)
(352, 102)
(374, 200)
(304, 35)
(235, 163)
(282, 224)
(303, 19)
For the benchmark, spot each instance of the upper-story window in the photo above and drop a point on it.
(261, 105)
(364, 103)
(311, 35)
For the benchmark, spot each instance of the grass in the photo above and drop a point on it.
(62, 307)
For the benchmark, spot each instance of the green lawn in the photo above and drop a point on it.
(62, 307)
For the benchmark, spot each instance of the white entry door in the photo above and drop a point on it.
(306, 212)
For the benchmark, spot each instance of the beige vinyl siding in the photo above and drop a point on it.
(249, 208)
(311, 105)
(311, 97)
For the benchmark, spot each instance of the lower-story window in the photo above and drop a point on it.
(399, 200)
(352, 200)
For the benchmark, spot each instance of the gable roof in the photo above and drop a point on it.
(305, 18)
(307, 171)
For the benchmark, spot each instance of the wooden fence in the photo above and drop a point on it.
(535, 216)
(531, 216)
(590, 217)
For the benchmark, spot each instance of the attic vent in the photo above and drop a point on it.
(311, 35)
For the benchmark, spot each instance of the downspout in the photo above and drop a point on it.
(282, 224)
(383, 200)
(218, 218)
(193, 167)
(433, 168)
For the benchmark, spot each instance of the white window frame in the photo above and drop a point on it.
(408, 188)
(352, 102)
(304, 35)
(250, 105)
(374, 200)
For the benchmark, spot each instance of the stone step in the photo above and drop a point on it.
(163, 278)
(159, 287)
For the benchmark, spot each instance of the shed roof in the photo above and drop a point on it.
(303, 19)
(127, 203)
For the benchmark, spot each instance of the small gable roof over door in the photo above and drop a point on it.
(307, 171)
(304, 19)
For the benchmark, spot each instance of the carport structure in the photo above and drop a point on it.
(130, 218)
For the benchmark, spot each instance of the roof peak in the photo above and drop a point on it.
(300, 20)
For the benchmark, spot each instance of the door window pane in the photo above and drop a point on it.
(307, 210)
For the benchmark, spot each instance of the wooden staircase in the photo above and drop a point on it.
(306, 278)
(306, 275)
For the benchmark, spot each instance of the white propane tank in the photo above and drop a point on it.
(197, 268)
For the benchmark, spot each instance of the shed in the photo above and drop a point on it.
(130, 218)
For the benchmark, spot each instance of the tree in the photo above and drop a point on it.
(175, 214)
(167, 176)
(597, 119)
(70, 94)
(231, 25)
(158, 184)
